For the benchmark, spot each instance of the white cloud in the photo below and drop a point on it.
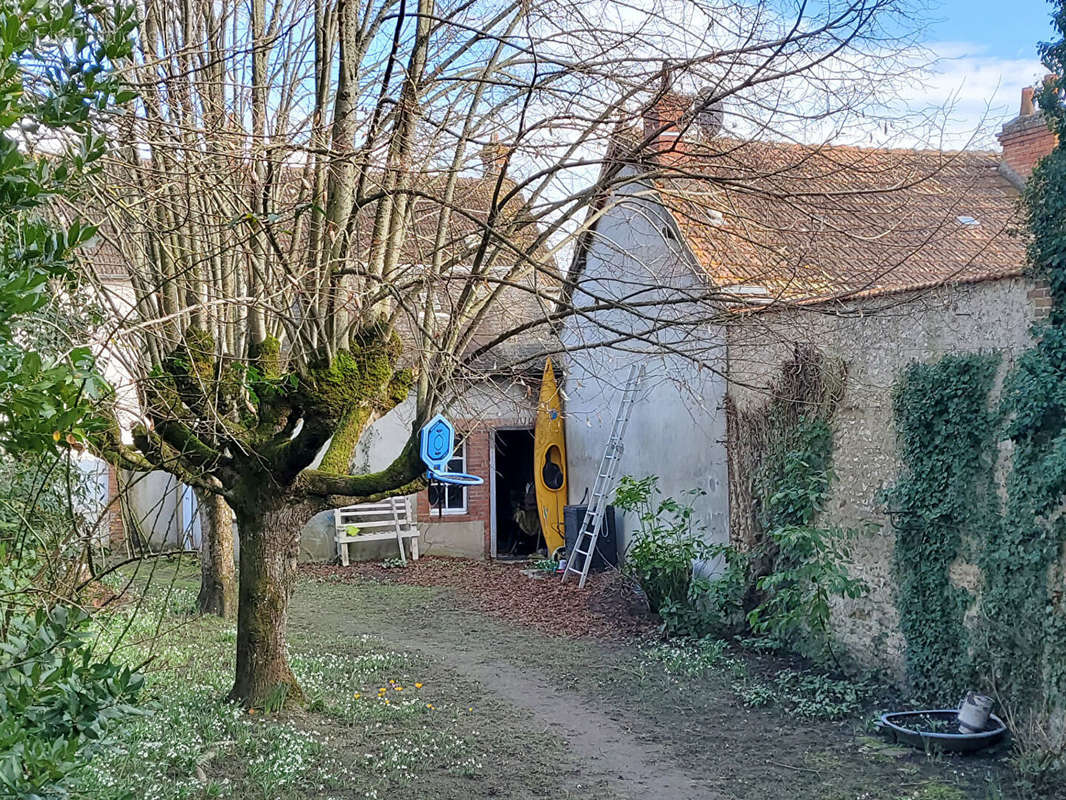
(976, 91)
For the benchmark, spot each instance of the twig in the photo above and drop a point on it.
(790, 766)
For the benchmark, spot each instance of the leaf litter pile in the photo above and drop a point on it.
(609, 607)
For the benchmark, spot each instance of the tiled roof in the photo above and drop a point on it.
(808, 223)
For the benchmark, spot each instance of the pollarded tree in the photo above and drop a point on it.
(295, 204)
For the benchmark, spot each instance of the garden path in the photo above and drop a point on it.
(602, 747)
(601, 750)
(631, 730)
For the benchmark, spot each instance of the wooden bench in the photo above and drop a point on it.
(377, 522)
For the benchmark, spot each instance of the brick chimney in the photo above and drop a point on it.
(1025, 140)
(664, 121)
(493, 155)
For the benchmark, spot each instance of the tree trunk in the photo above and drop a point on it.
(218, 574)
(270, 544)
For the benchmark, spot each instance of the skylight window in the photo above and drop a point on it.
(969, 222)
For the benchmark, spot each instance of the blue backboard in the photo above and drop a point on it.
(437, 443)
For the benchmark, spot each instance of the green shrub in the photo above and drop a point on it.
(812, 569)
(721, 598)
(661, 558)
(807, 563)
(56, 701)
(666, 546)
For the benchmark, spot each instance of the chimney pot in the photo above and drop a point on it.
(664, 119)
(1027, 108)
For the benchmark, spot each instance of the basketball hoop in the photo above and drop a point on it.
(436, 446)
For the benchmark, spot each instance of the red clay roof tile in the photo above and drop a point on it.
(815, 222)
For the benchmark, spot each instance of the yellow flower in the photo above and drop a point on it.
(398, 688)
(471, 708)
(356, 695)
(418, 685)
(429, 705)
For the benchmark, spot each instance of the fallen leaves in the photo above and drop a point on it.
(607, 608)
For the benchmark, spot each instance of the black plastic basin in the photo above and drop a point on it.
(894, 727)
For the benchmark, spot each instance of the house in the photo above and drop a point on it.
(875, 258)
(731, 231)
(494, 423)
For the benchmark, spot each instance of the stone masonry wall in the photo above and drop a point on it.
(877, 339)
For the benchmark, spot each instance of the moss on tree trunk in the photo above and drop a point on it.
(341, 448)
(270, 542)
(265, 432)
(218, 574)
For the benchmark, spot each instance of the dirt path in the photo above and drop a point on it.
(601, 751)
(633, 768)
(631, 730)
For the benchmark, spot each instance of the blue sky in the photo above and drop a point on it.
(1007, 29)
(988, 53)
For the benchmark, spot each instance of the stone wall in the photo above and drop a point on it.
(877, 339)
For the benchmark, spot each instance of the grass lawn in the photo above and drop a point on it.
(414, 694)
(379, 721)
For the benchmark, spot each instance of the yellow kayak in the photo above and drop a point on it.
(549, 461)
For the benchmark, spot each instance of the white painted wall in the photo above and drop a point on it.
(153, 501)
(677, 429)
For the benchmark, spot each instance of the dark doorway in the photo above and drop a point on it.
(517, 526)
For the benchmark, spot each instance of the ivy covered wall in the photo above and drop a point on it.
(950, 459)
(878, 348)
(1006, 636)
(944, 509)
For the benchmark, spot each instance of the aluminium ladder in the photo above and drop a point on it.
(589, 531)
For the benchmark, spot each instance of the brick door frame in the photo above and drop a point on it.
(492, 493)
(479, 461)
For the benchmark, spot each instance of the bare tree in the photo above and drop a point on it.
(325, 206)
